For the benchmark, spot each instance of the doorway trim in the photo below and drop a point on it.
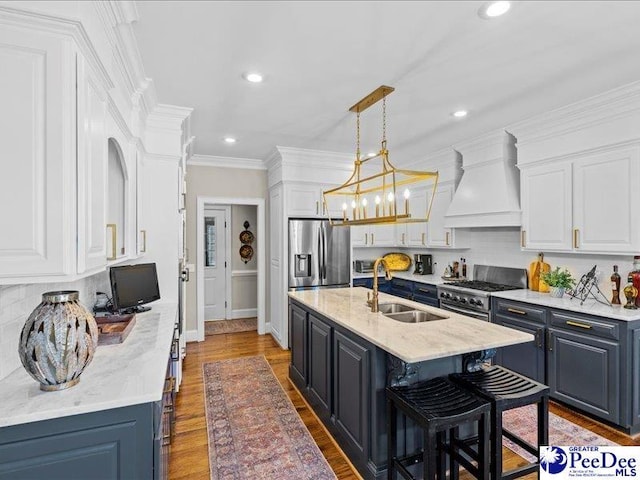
(202, 201)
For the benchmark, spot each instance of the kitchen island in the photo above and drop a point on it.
(343, 357)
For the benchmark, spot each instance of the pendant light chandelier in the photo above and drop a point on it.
(377, 192)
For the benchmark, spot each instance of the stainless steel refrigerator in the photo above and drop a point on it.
(319, 254)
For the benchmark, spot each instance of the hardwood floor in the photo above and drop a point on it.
(189, 454)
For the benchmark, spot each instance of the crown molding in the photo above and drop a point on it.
(168, 118)
(322, 159)
(591, 111)
(226, 162)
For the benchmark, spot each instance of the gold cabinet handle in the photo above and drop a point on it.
(578, 324)
(114, 228)
(523, 234)
(403, 238)
(575, 237)
(144, 241)
(423, 238)
(366, 239)
(515, 310)
(447, 238)
(317, 207)
(372, 239)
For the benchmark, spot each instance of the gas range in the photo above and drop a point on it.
(472, 297)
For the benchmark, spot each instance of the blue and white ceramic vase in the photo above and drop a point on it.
(58, 340)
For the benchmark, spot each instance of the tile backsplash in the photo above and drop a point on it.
(501, 247)
(18, 301)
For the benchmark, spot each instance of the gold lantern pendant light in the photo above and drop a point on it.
(370, 195)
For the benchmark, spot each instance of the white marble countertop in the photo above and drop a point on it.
(410, 342)
(590, 306)
(129, 373)
(408, 275)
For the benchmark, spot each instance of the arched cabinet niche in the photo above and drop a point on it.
(117, 201)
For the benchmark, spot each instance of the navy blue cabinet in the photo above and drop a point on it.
(384, 285)
(589, 362)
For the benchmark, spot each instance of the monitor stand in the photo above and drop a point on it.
(138, 309)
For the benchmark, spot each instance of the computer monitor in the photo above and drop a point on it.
(133, 286)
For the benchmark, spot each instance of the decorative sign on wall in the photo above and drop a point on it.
(246, 238)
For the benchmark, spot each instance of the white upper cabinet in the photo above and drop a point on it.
(304, 200)
(546, 207)
(92, 170)
(580, 171)
(583, 205)
(415, 234)
(437, 234)
(37, 134)
(116, 209)
(605, 191)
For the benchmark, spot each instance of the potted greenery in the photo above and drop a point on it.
(558, 281)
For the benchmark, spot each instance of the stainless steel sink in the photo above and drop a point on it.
(414, 316)
(385, 308)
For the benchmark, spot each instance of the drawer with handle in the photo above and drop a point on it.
(599, 327)
(519, 310)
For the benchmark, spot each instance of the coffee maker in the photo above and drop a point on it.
(423, 264)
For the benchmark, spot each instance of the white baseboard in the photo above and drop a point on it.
(192, 336)
(244, 313)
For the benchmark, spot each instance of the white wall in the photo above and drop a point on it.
(18, 301)
(501, 247)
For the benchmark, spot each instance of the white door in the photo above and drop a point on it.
(416, 235)
(437, 234)
(215, 284)
(546, 207)
(605, 194)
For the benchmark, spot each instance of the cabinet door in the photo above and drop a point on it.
(425, 293)
(606, 195)
(360, 236)
(298, 342)
(382, 235)
(524, 358)
(416, 233)
(584, 372)
(546, 207)
(277, 268)
(320, 366)
(351, 393)
(437, 234)
(37, 134)
(304, 200)
(92, 170)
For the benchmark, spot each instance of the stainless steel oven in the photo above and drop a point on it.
(465, 311)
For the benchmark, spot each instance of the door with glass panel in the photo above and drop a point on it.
(215, 284)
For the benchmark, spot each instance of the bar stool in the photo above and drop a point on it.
(505, 390)
(438, 406)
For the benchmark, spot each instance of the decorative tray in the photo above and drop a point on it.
(114, 328)
(398, 261)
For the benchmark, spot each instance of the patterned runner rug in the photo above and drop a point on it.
(254, 430)
(523, 422)
(217, 327)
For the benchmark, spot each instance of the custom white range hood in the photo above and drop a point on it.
(489, 192)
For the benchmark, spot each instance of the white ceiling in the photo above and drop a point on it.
(321, 57)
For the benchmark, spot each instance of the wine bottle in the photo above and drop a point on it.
(615, 286)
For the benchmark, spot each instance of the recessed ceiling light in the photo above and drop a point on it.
(229, 140)
(460, 113)
(253, 77)
(493, 9)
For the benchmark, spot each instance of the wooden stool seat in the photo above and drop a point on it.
(438, 406)
(506, 390)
